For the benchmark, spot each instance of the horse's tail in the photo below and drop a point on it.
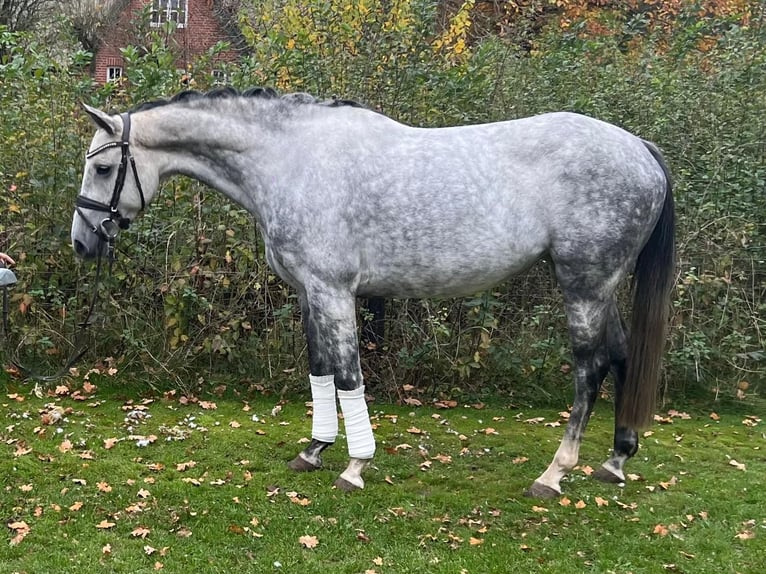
(652, 283)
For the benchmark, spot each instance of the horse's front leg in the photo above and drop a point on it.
(329, 319)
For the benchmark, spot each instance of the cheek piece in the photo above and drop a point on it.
(109, 227)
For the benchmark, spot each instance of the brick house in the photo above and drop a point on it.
(199, 28)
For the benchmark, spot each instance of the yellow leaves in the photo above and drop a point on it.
(453, 42)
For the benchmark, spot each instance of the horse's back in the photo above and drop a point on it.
(450, 211)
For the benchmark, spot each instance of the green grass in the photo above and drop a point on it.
(462, 513)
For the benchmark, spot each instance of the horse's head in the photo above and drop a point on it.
(117, 182)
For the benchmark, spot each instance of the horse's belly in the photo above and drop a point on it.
(420, 277)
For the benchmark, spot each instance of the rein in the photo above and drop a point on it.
(107, 231)
(80, 347)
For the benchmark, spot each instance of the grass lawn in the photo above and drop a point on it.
(118, 479)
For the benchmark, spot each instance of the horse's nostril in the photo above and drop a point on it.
(79, 248)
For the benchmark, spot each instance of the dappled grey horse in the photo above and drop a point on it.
(354, 204)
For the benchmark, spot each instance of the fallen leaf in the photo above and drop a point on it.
(445, 404)
(309, 541)
(539, 509)
(103, 487)
(580, 504)
(21, 450)
(661, 530)
(565, 501)
(105, 524)
(666, 485)
(475, 541)
(208, 405)
(715, 416)
(519, 460)
(21, 529)
(234, 424)
(140, 532)
(65, 446)
(745, 535)
(110, 442)
(737, 465)
(414, 430)
(76, 506)
(182, 466)
(601, 501)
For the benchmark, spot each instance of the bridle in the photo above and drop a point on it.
(107, 231)
(108, 228)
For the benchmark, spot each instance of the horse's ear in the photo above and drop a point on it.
(110, 124)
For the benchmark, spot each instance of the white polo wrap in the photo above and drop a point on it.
(324, 425)
(361, 443)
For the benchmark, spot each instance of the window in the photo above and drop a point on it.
(169, 11)
(113, 73)
(220, 77)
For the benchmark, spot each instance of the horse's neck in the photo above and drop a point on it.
(207, 146)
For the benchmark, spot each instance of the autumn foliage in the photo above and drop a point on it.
(192, 292)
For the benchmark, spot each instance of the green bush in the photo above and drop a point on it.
(190, 291)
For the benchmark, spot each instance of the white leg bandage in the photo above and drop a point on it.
(324, 425)
(361, 443)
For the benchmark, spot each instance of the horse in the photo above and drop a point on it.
(352, 203)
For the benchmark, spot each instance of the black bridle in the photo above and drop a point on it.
(107, 229)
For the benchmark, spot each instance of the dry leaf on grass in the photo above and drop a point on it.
(309, 541)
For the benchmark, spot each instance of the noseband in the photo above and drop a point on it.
(108, 228)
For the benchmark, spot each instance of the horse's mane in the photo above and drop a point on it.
(297, 98)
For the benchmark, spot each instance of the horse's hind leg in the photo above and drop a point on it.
(330, 325)
(625, 439)
(587, 320)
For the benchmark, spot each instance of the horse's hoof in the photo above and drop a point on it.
(605, 475)
(539, 490)
(300, 464)
(345, 486)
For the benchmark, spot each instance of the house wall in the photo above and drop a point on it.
(202, 31)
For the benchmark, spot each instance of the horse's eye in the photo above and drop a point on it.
(103, 169)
